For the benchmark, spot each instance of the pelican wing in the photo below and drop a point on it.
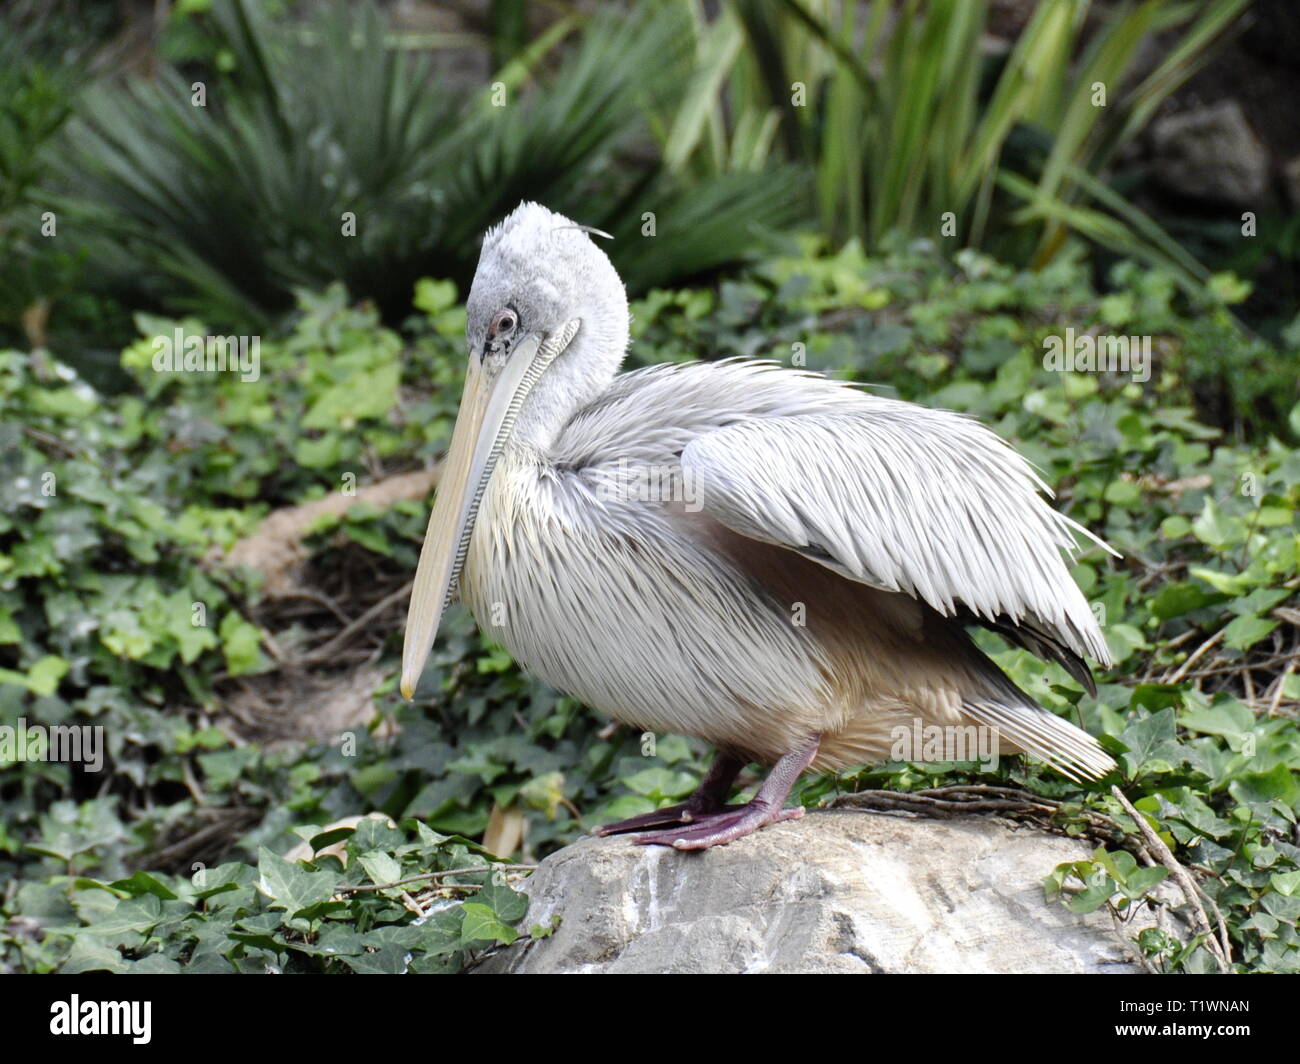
(904, 498)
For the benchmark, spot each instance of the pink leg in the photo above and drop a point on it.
(709, 797)
(734, 822)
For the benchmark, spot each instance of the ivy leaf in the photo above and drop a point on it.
(131, 916)
(481, 924)
(143, 883)
(1212, 527)
(1287, 883)
(433, 297)
(1245, 632)
(289, 885)
(91, 953)
(1260, 790)
(1174, 600)
(355, 398)
(1151, 742)
(1229, 718)
(508, 903)
(659, 783)
(124, 635)
(381, 867)
(44, 675)
(241, 643)
(387, 960)
(1097, 891)
(1142, 880)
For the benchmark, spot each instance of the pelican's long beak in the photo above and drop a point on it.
(483, 424)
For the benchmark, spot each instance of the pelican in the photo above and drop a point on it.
(779, 563)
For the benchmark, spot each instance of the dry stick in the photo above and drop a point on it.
(1245, 546)
(1277, 689)
(192, 783)
(272, 645)
(1236, 667)
(1171, 644)
(326, 650)
(1225, 944)
(1196, 655)
(1190, 890)
(573, 811)
(321, 600)
(936, 801)
(42, 437)
(1179, 640)
(438, 875)
(191, 842)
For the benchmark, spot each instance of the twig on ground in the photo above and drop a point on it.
(1278, 684)
(1195, 656)
(326, 651)
(949, 801)
(1183, 878)
(423, 876)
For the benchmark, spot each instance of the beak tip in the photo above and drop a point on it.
(408, 686)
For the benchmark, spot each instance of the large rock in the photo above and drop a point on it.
(1212, 154)
(838, 891)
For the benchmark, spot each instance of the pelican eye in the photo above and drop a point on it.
(503, 324)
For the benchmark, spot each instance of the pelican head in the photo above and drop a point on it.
(547, 330)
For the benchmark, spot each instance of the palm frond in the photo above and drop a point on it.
(226, 209)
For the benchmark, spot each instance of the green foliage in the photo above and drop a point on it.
(292, 175)
(223, 210)
(1209, 533)
(116, 505)
(38, 85)
(99, 581)
(334, 910)
(905, 126)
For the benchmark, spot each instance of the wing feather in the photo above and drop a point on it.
(904, 498)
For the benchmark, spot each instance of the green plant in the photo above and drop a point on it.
(893, 109)
(1201, 615)
(347, 905)
(211, 752)
(112, 615)
(326, 154)
(38, 87)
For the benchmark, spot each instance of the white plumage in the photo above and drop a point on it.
(776, 562)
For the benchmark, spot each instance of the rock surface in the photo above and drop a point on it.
(1213, 154)
(838, 891)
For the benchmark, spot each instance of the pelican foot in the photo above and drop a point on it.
(718, 829)
(708, 799)
(682, 813)
(726, 824)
